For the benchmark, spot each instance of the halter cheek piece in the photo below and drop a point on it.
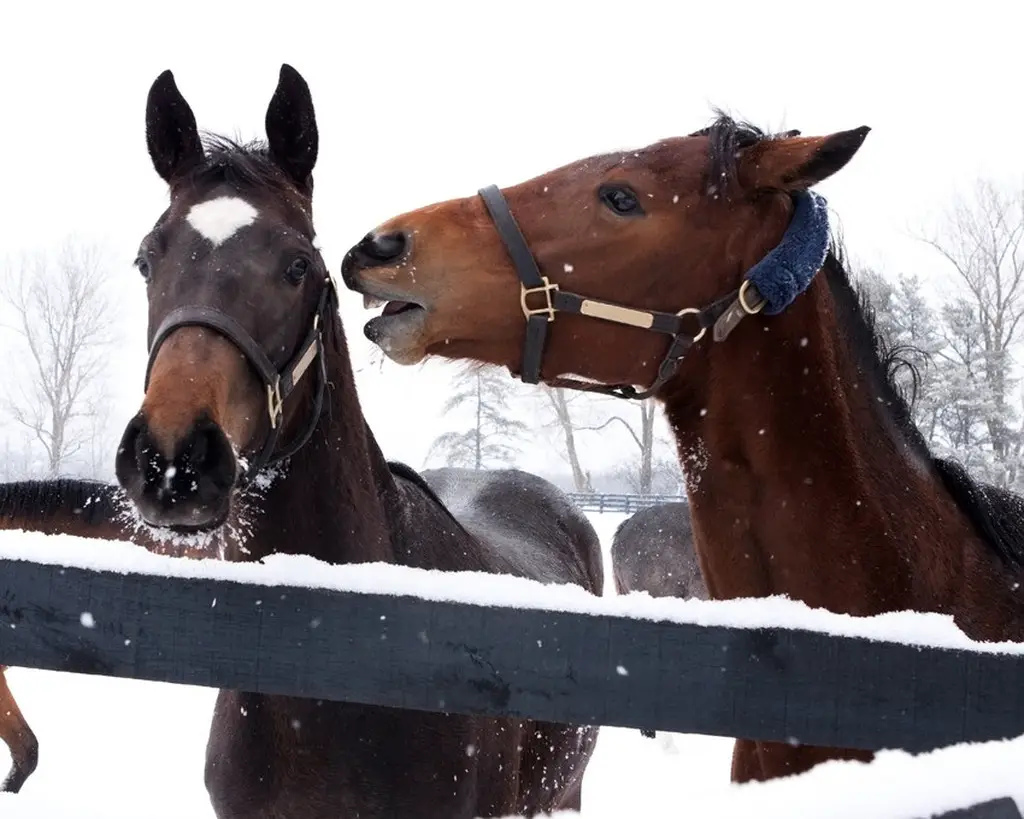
(772, 283)
(279, 384)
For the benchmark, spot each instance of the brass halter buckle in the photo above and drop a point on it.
(549, 305)
(275, 404)
(742, 298)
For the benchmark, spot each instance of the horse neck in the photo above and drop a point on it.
(330, 500)
(800, 481)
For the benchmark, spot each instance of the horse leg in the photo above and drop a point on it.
(757, 761)
(746, 764)
(573, 798)
(780, 759)
(19, 738)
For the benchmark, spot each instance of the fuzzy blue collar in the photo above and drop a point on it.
(787, 270)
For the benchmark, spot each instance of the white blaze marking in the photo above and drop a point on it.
(217, 220)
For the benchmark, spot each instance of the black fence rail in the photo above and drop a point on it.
(625, 504)
(403, 651)
(775, 684)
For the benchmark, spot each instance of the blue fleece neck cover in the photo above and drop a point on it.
(787, 270)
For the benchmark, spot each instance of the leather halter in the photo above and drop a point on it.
(722, 314)
(279, 384)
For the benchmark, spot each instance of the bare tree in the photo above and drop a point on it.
(491, 437)
(15, 461)
(983, 240)
(60, 310)
(560, 402)
(648, 469)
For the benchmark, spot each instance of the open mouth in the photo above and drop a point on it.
(391, 308)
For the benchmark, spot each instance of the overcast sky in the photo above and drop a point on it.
(428, 100)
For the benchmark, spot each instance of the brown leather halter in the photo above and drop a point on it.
(722, 314)
(279, 383)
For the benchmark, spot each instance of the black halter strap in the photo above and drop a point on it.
(279, 384)
(541, 300)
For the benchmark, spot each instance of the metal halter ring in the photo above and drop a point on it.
(693, 311)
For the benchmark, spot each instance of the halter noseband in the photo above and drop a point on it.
(279, 384)
(773, 283)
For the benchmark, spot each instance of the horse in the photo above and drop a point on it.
(249, 387)
(82, 508)
(63, 506)
(653, 551)
(702, 270)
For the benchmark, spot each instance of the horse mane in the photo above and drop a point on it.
(246, 165)
(997, 514)
(726, 138)
(94, 501)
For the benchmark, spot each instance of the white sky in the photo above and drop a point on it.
(427, 100)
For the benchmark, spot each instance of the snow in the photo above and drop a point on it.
(217, 220)
(909, 628)
(125, 749)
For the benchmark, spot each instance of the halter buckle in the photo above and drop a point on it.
(742, 298)
(275, 404)
(547, 288)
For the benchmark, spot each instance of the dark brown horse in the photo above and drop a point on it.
(701, 269)
(652, 551)
(89, 509)
(250, 390)
(82, 508)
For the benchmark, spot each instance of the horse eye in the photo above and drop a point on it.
(142, 266)
(296, 271)
(621, 200)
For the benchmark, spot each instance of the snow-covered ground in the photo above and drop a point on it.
(123, 749)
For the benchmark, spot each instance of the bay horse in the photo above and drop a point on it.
(702, 270)
(63, 506)
(249, 383)
(652, 551)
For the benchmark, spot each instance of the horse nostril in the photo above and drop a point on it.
(130, 461)
(383, 248)
(209, 455)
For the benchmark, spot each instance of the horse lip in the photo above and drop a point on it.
(382, 293)
(182, 528)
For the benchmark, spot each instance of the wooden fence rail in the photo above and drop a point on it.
(401, 651)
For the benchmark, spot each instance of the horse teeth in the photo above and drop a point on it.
(372, 302)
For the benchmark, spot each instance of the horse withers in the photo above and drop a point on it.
(701, 270)
(251, 429)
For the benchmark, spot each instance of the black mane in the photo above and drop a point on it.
(997, 514)
(94, 501)
(246, 165)
(726, 138)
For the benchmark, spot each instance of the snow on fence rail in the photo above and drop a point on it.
(392, 636)
(626, 504)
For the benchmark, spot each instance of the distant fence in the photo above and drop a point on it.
(624, 504)
(775, 684)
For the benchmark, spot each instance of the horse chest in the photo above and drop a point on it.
(270, 758)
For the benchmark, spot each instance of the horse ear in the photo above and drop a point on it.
(171, 132)
(291, 127)
(795, 163)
